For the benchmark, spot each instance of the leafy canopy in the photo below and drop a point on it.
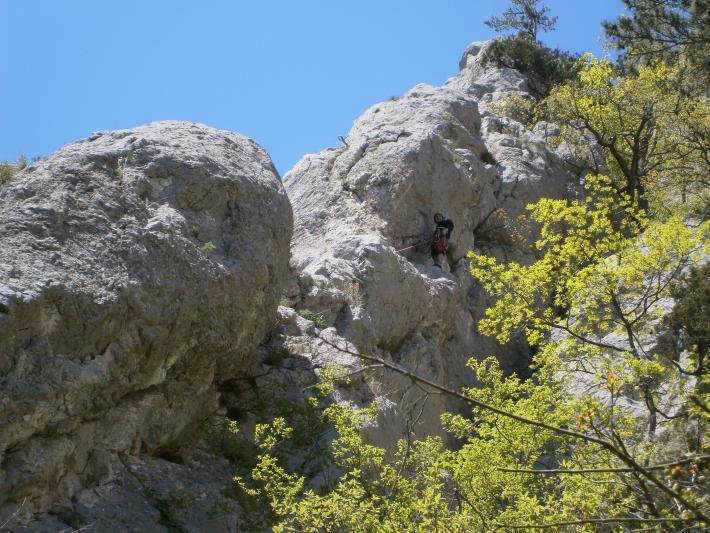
(665, 30)
(543, 67)
(636, 406)
(649, 138)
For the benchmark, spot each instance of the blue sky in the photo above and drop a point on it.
(291, 75)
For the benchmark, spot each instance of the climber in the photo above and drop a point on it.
(440, 239)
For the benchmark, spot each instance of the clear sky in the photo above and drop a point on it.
(292, 75)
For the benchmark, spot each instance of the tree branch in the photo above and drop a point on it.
(611, 448)
(601, 470)
(625, 520)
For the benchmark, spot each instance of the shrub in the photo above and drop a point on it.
(317, 318)
(209, 247)
(7, 171)
(517, 107)
(543, 67)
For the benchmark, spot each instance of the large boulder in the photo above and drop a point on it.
(138, 269)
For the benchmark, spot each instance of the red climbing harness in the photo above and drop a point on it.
(439, 242)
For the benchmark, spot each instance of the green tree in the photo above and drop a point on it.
(653, 138)
(664, 29)
(689, 322)
(609, 434)
(543, 67)
(526, 17)
(591, 304)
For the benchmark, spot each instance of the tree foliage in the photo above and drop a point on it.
(608, 285)
(653, 139)
(664, 30)
(689, 322)
(543, 67)
(610, 433)
(525, 17)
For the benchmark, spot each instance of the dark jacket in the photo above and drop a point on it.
(443, 225)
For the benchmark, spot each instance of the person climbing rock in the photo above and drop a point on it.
(440, 239)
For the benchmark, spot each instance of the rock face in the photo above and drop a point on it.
(433, 149)
(139, 269)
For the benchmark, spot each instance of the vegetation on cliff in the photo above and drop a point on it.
(8, 170)
(610, 432)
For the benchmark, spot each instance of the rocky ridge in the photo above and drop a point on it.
(198, 201)
(433, 149)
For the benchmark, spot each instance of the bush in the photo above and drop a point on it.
(317, 318)
(7, 171)
(543, 67)
(209, 247)
(518, 107)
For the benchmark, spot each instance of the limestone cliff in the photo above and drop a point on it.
(142, 268)
(433, 149)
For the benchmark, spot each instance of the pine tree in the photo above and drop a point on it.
(525, 16)
(664, 29)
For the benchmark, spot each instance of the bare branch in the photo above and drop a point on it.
(601, 470)
(350, 374)
(625, 520)
(14, 514)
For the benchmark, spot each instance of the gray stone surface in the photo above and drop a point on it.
(139, 268)
(150, 494)
(355, 206)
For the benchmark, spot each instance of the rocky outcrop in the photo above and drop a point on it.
(139, 269)
(433, 149)
(142, 268)
(527, 167)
